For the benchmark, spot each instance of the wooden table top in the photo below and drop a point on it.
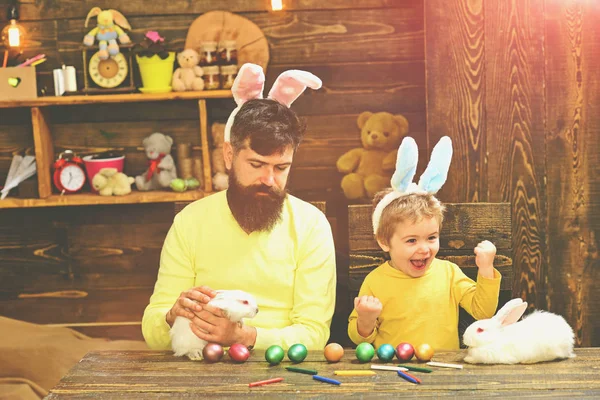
(154, 374)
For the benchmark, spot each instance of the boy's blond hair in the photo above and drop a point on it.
(411, 207)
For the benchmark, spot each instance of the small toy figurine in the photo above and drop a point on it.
(107, 31)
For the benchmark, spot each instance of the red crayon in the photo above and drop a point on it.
(260, 383)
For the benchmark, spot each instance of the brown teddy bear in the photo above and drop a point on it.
(109, 182)
(161, 170)
(369, 168)
(189, 74)
(220, 178)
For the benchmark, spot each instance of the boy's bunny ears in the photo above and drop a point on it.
(406, 165)
(250, 81)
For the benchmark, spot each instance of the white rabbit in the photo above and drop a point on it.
(235, 304)
(540, 336)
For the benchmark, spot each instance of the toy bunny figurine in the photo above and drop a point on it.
(540, 336)
(107, 32)
(250, 81)
(235, 304)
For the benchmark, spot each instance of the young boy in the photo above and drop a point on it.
(414, 297)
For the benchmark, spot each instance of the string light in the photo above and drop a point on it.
(276, 5)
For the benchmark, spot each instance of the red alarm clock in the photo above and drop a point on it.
(69, 173)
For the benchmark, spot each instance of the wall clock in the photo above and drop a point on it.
(113, 75)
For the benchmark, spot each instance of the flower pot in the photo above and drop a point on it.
(94, 165)
(156, 73)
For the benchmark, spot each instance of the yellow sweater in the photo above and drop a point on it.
(425, 309)
(290, 270)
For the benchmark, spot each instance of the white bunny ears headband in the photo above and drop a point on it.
(250, 82)
(406, 165)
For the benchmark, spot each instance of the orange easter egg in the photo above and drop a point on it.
(333, 352)
(424, 352)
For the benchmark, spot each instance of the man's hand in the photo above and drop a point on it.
(368, 309)
(189, 302)
(213, 326)
(484, 258)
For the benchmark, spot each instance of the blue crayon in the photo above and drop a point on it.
(327, 380)
(408, 377)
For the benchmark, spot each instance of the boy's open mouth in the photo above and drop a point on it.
(419, 264)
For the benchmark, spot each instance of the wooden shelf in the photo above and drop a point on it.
(85, 199)
(116, 98)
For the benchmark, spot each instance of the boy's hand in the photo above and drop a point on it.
(484, 256)
(368, 308)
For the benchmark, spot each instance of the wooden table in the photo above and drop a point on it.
(153, 374)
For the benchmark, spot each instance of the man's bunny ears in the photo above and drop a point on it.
(250, 82)
(406, 165)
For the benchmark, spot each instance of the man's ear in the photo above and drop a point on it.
(383, 244)
(228, 154)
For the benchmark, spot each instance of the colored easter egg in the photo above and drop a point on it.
(424, 352)
(297, 352)
(213, 352)
(333, 352)
(386, 352)
(405, 351)
(365, 352)
(274, 354)
(238, 352)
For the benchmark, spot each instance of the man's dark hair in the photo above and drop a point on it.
(269, 126)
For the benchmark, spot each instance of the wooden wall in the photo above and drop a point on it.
(514, 83)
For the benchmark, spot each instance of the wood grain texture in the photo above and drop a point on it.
(44, 150)
(150, 374)
(454, 41)
(573, 140)
(516, 156)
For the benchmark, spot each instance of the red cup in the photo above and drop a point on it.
(93, 166)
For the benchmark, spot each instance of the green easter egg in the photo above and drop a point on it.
(297, 352)
(274, 354)
(365, 352)
(386, 352)
(178, 185)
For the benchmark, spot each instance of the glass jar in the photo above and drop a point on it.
(211, 77)
(228, 52)
(228, 74)
(208, 53)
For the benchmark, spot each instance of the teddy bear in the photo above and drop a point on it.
(161, 170)
(189, 74)
(220, 178)
(369, 168)
(108, 182)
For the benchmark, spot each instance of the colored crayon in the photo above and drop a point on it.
(326, 380)
(444, 365)
(416, 369)
(354, 372)
(388, 368)
(266, 382)
(302, 371)
(408, 377)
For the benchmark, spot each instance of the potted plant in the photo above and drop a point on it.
(155, 62)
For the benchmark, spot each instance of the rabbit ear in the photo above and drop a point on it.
(436, 173)
(120, 19)
(93, 13)
(291, 84)
(511, 312)
(406, 164)
(248, 84)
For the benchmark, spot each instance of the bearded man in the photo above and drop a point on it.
(253, 237)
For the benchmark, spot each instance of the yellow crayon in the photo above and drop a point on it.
(360, 372)
(38, 62)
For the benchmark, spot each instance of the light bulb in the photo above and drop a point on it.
(12, 34)
(276, 5)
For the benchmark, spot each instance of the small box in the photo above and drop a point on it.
(18, 83)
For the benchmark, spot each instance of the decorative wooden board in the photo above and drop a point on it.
(216, 26)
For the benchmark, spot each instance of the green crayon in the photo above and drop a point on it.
(416, 369)
(302, 371)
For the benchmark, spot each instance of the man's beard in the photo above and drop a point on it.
(254, 211)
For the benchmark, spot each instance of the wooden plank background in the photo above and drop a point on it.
(515, 84)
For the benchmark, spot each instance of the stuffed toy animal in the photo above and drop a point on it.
(189, 74)
(161, 170)
(369, 168)
(220, 178)
(107, 32)
(109, 182)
